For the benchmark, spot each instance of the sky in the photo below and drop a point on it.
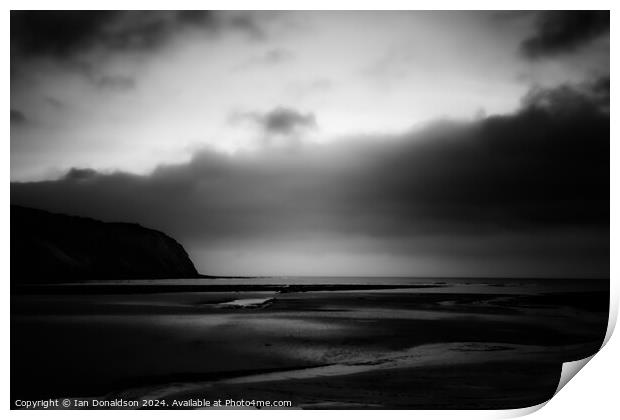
(325, 143)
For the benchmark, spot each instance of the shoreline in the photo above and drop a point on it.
(126, 288)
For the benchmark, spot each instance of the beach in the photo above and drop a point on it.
(445, 343)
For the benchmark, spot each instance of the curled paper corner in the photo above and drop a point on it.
(569, 370)
(521, 412)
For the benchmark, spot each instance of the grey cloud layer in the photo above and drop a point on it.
(565, 31)
(63, 33)
(544, 169)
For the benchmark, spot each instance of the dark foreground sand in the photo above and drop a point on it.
(441, 347)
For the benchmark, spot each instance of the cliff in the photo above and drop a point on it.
(53, 248)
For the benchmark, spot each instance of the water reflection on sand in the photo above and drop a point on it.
(359, 346)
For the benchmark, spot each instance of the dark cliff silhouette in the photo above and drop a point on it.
(53, 248)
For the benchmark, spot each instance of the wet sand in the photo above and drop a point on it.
(438, 347)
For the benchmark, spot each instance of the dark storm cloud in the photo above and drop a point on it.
(56, 32)
(17, 117)
(538, 172)
(560, 32)
(67, 37)
(280, 120)
(590, 96)
(63, 33)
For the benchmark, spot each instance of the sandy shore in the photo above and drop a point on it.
(373, 348)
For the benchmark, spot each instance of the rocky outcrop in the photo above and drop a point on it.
(53, 248)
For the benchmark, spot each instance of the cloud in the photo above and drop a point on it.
(56, 32)
(17, 117)
(559, 32)
(83, 42)
(246, 22)
(79, 174)
(532, 185)
(286, 120)
(62, 34)
(278, 121)
(99, 78)
(591, 96)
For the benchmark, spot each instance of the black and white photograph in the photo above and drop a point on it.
(306, 209)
